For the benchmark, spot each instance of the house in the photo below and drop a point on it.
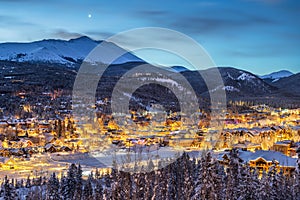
(282, 146)
(44, 125)
(25, 143)
(50, 148)
(262, 160)
(65, 148)
(7, 163)
(247, 146)
(182, 142)
(287, 147)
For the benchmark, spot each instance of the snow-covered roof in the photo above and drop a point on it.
(284, 142)
(246, 145)
(3, 159)
(268, 156)
(295, 128)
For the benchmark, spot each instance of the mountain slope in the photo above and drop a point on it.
(289, 85)
(275, 76)
(63, 52)
(36, 78)
(237, 83)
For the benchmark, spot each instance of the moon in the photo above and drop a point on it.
(89, 15)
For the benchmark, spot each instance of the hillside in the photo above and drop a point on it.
(63, 52)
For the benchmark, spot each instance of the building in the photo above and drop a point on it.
(262, 160)
(247, 146)
(287, 147)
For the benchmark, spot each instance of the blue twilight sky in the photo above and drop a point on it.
(257, 35)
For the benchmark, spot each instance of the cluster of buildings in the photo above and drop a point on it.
(22, 138)
(263, 135)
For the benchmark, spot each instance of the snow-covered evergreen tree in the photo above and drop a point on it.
(233, 176)
(265, 188)
(183, 179)
(98, 189)
(78, 180)
(64, 187)
(70, 182)
(28, 182)
(140, 185)
(8, 191)
(53, 188)
(126, 185)
(297, 176)
(209, 181)
(88, 189)
(274, 180)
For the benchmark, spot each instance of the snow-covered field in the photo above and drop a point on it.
(120, 159)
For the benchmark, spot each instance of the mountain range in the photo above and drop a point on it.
(275, 76)
(41, 63)
(63, 52)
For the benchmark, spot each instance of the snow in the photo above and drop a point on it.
(63, 52)
(228, 88)
(229, 75)
(268, 156)
(245, 76)
(277, 75)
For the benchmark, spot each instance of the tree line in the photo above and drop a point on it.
(186, 178)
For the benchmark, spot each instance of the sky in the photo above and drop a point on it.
(260, 36)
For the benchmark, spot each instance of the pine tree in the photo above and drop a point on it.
(98, 189)
(28, 182)
(116, 186)
(265, 188)
(209, 181)
(297, 176)
(53, 188)
(64, 187)
(274, 180)
(8, 190)
(140, 185)
(107, 195)
(78, 187)
(69, 184)
(254, 184)
(126, 183)
(97, 174)
(188, 182)
(248, 184)
(233, 176)
(88, 189)
(171, 190)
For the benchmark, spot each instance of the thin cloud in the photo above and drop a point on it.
(232, 20)
(259, 51)
(206, 23)
(9, 21)
(99, 34)
(270, 2)
(63, 34)
(152, 13)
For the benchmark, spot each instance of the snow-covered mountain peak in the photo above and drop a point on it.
(62, 51)
(82, 38)
(275, 76)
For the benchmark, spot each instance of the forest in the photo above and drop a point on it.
(186, 178)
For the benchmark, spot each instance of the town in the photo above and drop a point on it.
(263, 134)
